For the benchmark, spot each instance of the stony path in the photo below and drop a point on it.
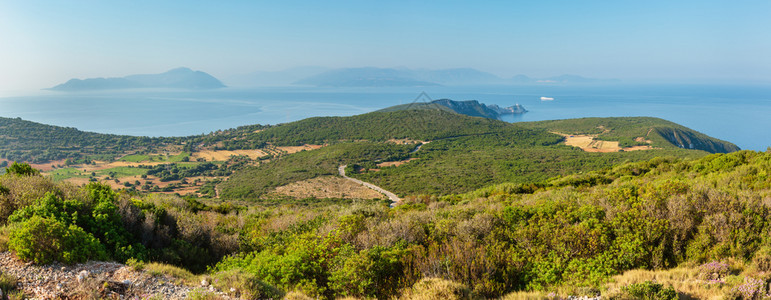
(108, 279)
(418, 147)
(394, 199)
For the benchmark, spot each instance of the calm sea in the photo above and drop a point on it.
(739, 114)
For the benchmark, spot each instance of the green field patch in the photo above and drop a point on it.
(119, 172)
(138, 158)
(67, 173)
(178, 158)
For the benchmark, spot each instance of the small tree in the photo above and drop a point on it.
(22, 169)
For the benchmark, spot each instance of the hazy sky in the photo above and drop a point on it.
(43, 43)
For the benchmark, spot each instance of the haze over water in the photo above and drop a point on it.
(719, 46)
(738, 114)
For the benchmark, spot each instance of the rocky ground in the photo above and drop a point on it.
(94, 280)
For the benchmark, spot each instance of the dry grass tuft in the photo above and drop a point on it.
(522, 295)
(184, 276)
(295, 295)
(437, 288)
(684, 279)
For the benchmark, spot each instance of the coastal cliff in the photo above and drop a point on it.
(475, 109)
(468, 107)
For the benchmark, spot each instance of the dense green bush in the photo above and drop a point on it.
(571, 231)
(98, 217)
(123, 228)
(44, 240)
(21, 169)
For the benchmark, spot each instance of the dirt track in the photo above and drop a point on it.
(394, 199)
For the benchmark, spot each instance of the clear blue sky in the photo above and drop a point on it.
(43, 43)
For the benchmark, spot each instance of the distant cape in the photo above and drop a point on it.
(181, 78)
(468, 107)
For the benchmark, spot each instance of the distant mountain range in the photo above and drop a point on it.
(181, 78)
(384, 77)
(185, 78)
(274, 78)
(366, 77)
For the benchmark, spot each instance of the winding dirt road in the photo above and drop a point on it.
(394, 199)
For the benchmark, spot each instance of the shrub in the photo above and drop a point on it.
(5, 232)
(201, 294)
(44, 240)
(302, 265)
(22, 191)
(762, 260)
(99, 220)
(137, 265)
(8, 288)
(714, 271)
(375, 272)
(752, 288)
(649, 290)
(246, 285)
(7, 282)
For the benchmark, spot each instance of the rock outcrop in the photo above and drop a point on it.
(475, 109)
(107, 280)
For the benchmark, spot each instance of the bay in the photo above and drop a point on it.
(740, 114)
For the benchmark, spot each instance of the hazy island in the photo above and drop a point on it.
(180, 78)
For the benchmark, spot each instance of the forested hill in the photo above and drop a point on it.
(34, 142)
(647, 130)
(421, 124)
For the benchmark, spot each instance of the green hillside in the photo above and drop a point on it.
(661, 133)
(22, 140)
(464, 153)
(374, 126)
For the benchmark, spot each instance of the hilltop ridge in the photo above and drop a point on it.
(638, 131)
(400, 151)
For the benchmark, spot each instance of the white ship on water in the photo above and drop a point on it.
(547, 99)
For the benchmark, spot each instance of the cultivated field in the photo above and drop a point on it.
(328, 187)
